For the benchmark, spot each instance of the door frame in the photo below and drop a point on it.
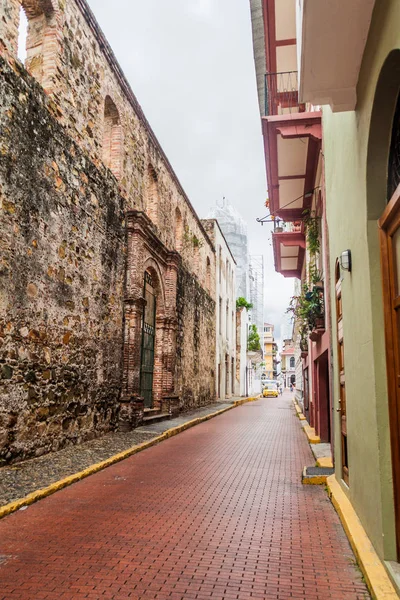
(388, 224)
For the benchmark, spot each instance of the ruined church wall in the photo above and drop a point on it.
(62, 264)
(63, 238)
(79, 72)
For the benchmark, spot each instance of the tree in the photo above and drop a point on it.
(242, 302)
(253, 342)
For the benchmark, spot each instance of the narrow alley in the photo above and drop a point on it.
(218, 511)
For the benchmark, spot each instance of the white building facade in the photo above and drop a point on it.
(225, 294)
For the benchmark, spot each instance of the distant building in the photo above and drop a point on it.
(270, 350)
(288, 363)
(234, 229)
(256, 280)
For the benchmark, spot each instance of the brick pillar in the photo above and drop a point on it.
(170, 325)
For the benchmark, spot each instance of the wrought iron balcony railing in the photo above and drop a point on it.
(281, 93)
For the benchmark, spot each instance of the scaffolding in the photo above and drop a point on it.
(235, 232)
(256, 280)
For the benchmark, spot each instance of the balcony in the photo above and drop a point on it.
(281, 94)
(288, 241)
(292, 144)
(331, 38)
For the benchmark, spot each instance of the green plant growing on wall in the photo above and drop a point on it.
(191, 239)
(312, 224)
(307, 309)
(253, 342)
(242, 303)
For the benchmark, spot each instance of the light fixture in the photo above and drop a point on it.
(345, 260)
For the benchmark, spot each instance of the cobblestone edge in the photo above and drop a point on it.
(7, 509)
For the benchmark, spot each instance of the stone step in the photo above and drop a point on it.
(316, 475)
(154, 418)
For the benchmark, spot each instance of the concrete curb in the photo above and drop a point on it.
(309, 431)
(62, 483)
(376, 577)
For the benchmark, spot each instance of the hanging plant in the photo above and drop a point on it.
(307, 308)
(312, 224)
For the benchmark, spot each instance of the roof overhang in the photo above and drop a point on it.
(292, 144)
(331, 38)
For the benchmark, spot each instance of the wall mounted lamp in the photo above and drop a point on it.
(345, 260)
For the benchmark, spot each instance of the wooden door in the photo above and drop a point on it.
(342, 379)
(390, 260)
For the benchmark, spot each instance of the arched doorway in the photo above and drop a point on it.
(148, 341)
(383, 203)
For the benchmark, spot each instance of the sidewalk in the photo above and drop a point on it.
(217, 512)
(21, 479)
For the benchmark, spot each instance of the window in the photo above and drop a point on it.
(112, 137)
(220, 263)
(220, 316)
(37, 40)
(292, 362)
(227, 320)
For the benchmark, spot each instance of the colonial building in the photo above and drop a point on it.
(340, 68)
(226, 382)
(288, 364)
(270, 351)
(107, 277)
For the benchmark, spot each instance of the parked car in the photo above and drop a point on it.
(270, 389)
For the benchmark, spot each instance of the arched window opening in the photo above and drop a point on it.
(292, 363)
(22, 35)
(220, 263)
(208, 275)
(394, 154)
(152, 195)
(178, 230)
(36, 39)
(112, 137)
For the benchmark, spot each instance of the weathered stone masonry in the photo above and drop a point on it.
(88, 203)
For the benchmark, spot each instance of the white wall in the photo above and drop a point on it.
(226, 317)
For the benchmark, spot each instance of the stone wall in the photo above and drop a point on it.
(77, 161)
(195, 351)
(87, 88)
(61, 280)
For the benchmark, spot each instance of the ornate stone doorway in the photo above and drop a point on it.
(148, 341)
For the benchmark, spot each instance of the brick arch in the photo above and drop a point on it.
(43, 40)
(152, 194)
(178, 230)
(112, 137)
(158, 277)
(208, 275)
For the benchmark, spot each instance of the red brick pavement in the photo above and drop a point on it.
(217, 512)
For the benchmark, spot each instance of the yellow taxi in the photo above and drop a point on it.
(270, 389)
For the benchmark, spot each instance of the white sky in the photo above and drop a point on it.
(190, 65)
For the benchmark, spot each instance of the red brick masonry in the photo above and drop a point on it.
(216, 512)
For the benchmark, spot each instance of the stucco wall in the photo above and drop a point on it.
(352, 226)
(225, 326)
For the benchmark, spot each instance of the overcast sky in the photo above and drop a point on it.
(190, 65)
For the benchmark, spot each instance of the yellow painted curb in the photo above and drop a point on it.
(311, 435)
(62, 483)
(315, 480)
(324, 461)
(302, 417)
(373, 570)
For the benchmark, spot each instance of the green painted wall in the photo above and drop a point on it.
(352, 222)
